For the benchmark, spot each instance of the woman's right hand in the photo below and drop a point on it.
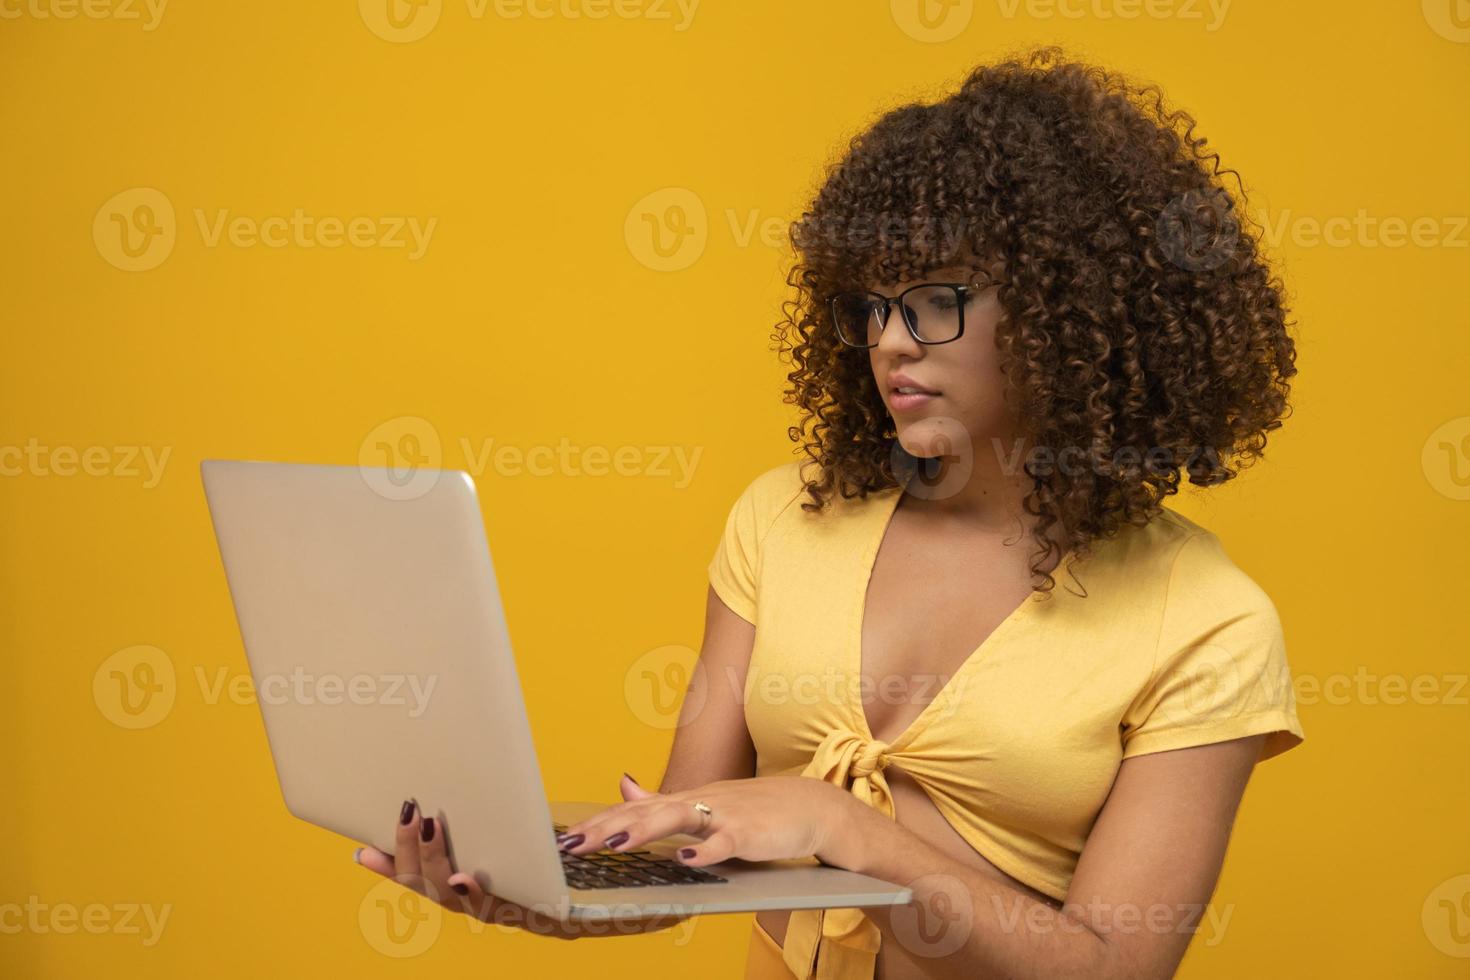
(421, 863)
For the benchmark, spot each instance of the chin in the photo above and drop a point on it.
(935, 435)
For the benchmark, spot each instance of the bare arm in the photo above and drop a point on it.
(712, 742)
(1140, 889)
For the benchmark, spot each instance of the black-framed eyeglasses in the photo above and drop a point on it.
(934, 312)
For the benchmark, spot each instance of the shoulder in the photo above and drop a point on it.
(773, 490)
(766, 496)
(1204, 577)
(1185, 561)
(778, 485)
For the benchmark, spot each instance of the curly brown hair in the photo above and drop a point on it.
(1139, 321)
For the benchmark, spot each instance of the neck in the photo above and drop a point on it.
(982, 490)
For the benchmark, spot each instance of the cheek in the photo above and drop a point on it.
(975, 369)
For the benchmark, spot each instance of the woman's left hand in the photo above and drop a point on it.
(762, 819)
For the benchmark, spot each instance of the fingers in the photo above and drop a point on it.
(375, 860)
(465, 895)
(630, 825)
(630, 789)
(406, 841)
(434, 859)
(717, 847)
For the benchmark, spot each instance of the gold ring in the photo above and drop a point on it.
(705, 813)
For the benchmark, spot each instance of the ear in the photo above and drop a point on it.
(631, 790)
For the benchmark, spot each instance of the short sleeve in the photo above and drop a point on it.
(1220, 669)
(734, 571)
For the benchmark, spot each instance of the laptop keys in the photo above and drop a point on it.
(628, 869)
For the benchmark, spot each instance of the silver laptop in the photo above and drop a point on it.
(372, 622)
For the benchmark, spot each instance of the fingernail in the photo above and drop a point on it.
(460, 888)
(405, 816)
(572, 841)
(426, 832)
(357, 855)
(686, 852)
(616, 839)
(630, 779)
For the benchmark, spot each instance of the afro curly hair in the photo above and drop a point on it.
(1140, 323)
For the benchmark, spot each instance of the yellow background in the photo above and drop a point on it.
(542, 311)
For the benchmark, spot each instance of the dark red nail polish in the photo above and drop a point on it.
(616, 839)
(460, 888)
(405, 816)
(572, 841)
(686, 852)
(426, 832)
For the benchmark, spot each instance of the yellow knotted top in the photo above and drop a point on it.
(847, 939)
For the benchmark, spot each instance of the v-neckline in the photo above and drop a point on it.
(869, 561)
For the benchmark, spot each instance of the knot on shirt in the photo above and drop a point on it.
(871, 757)
(855, 762)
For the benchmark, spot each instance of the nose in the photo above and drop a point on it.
(895, 337)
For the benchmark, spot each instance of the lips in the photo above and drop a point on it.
(902, 381)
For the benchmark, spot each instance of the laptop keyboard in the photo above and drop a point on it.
(628, 869)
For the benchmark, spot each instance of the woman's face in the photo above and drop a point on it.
(967, 409)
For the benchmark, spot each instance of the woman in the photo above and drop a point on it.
(1054, 772)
